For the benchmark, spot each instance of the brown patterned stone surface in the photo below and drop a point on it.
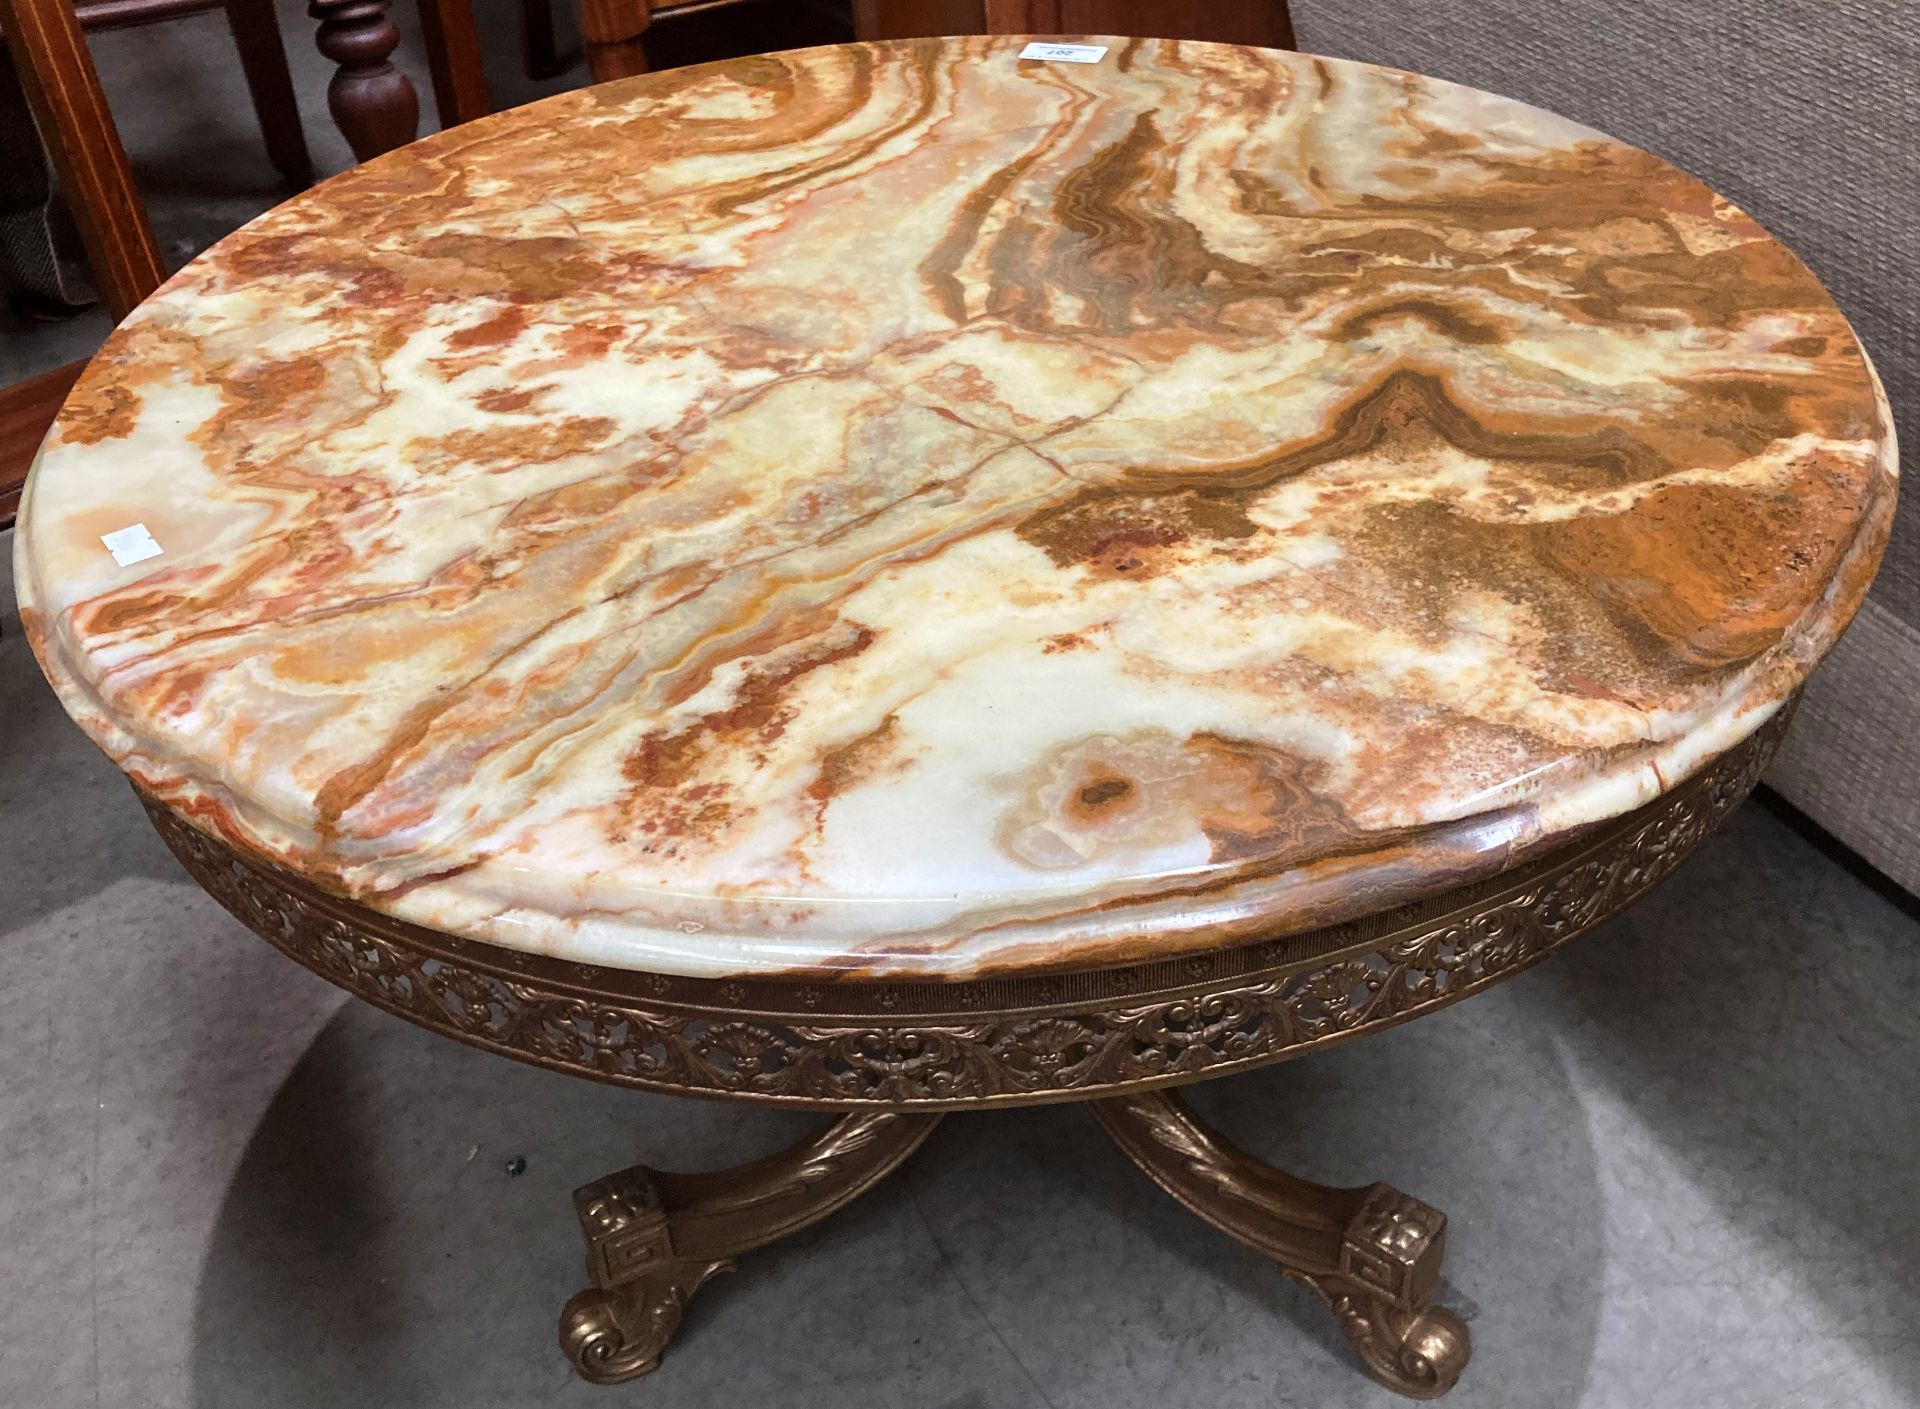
(902, 509)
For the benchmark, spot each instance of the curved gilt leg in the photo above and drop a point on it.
(653, 1238)
(1373, 1254)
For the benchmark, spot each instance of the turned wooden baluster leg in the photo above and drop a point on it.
(1372, 1253)
(373, 103)
(654, 1237)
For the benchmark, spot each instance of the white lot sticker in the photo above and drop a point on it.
(1066, 53)
(130, 545)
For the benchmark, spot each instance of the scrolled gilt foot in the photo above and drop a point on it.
(620, 1333)
(1418, 1353)
(1390, 1255)
(653, 1239)
(1372, 1253)
(619, 1327)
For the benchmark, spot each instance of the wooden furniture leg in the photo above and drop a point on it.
(612, 31)
(27, 410)
(373, 103)
(263, 58)
(915, 19)
(460, 92)
(1024, 17)
(539, 50)
(1261, 22)
(64, 92)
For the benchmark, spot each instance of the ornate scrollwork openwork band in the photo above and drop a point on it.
(1014, 1041)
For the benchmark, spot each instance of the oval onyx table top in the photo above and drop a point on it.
(905, 510)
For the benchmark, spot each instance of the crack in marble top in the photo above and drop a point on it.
(901, 509)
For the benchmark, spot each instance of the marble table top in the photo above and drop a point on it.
(907, 510)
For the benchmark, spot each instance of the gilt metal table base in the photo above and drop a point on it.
(654, 1238)
(895, 1056)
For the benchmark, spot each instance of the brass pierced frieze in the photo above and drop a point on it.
(1009, 1042)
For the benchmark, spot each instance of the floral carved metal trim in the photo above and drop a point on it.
(1065, 1037)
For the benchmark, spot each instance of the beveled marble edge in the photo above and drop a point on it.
(1597, 870)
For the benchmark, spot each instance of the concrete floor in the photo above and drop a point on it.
(1682, 1161)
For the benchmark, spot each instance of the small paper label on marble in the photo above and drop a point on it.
(130, 545)
(1066, 53)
